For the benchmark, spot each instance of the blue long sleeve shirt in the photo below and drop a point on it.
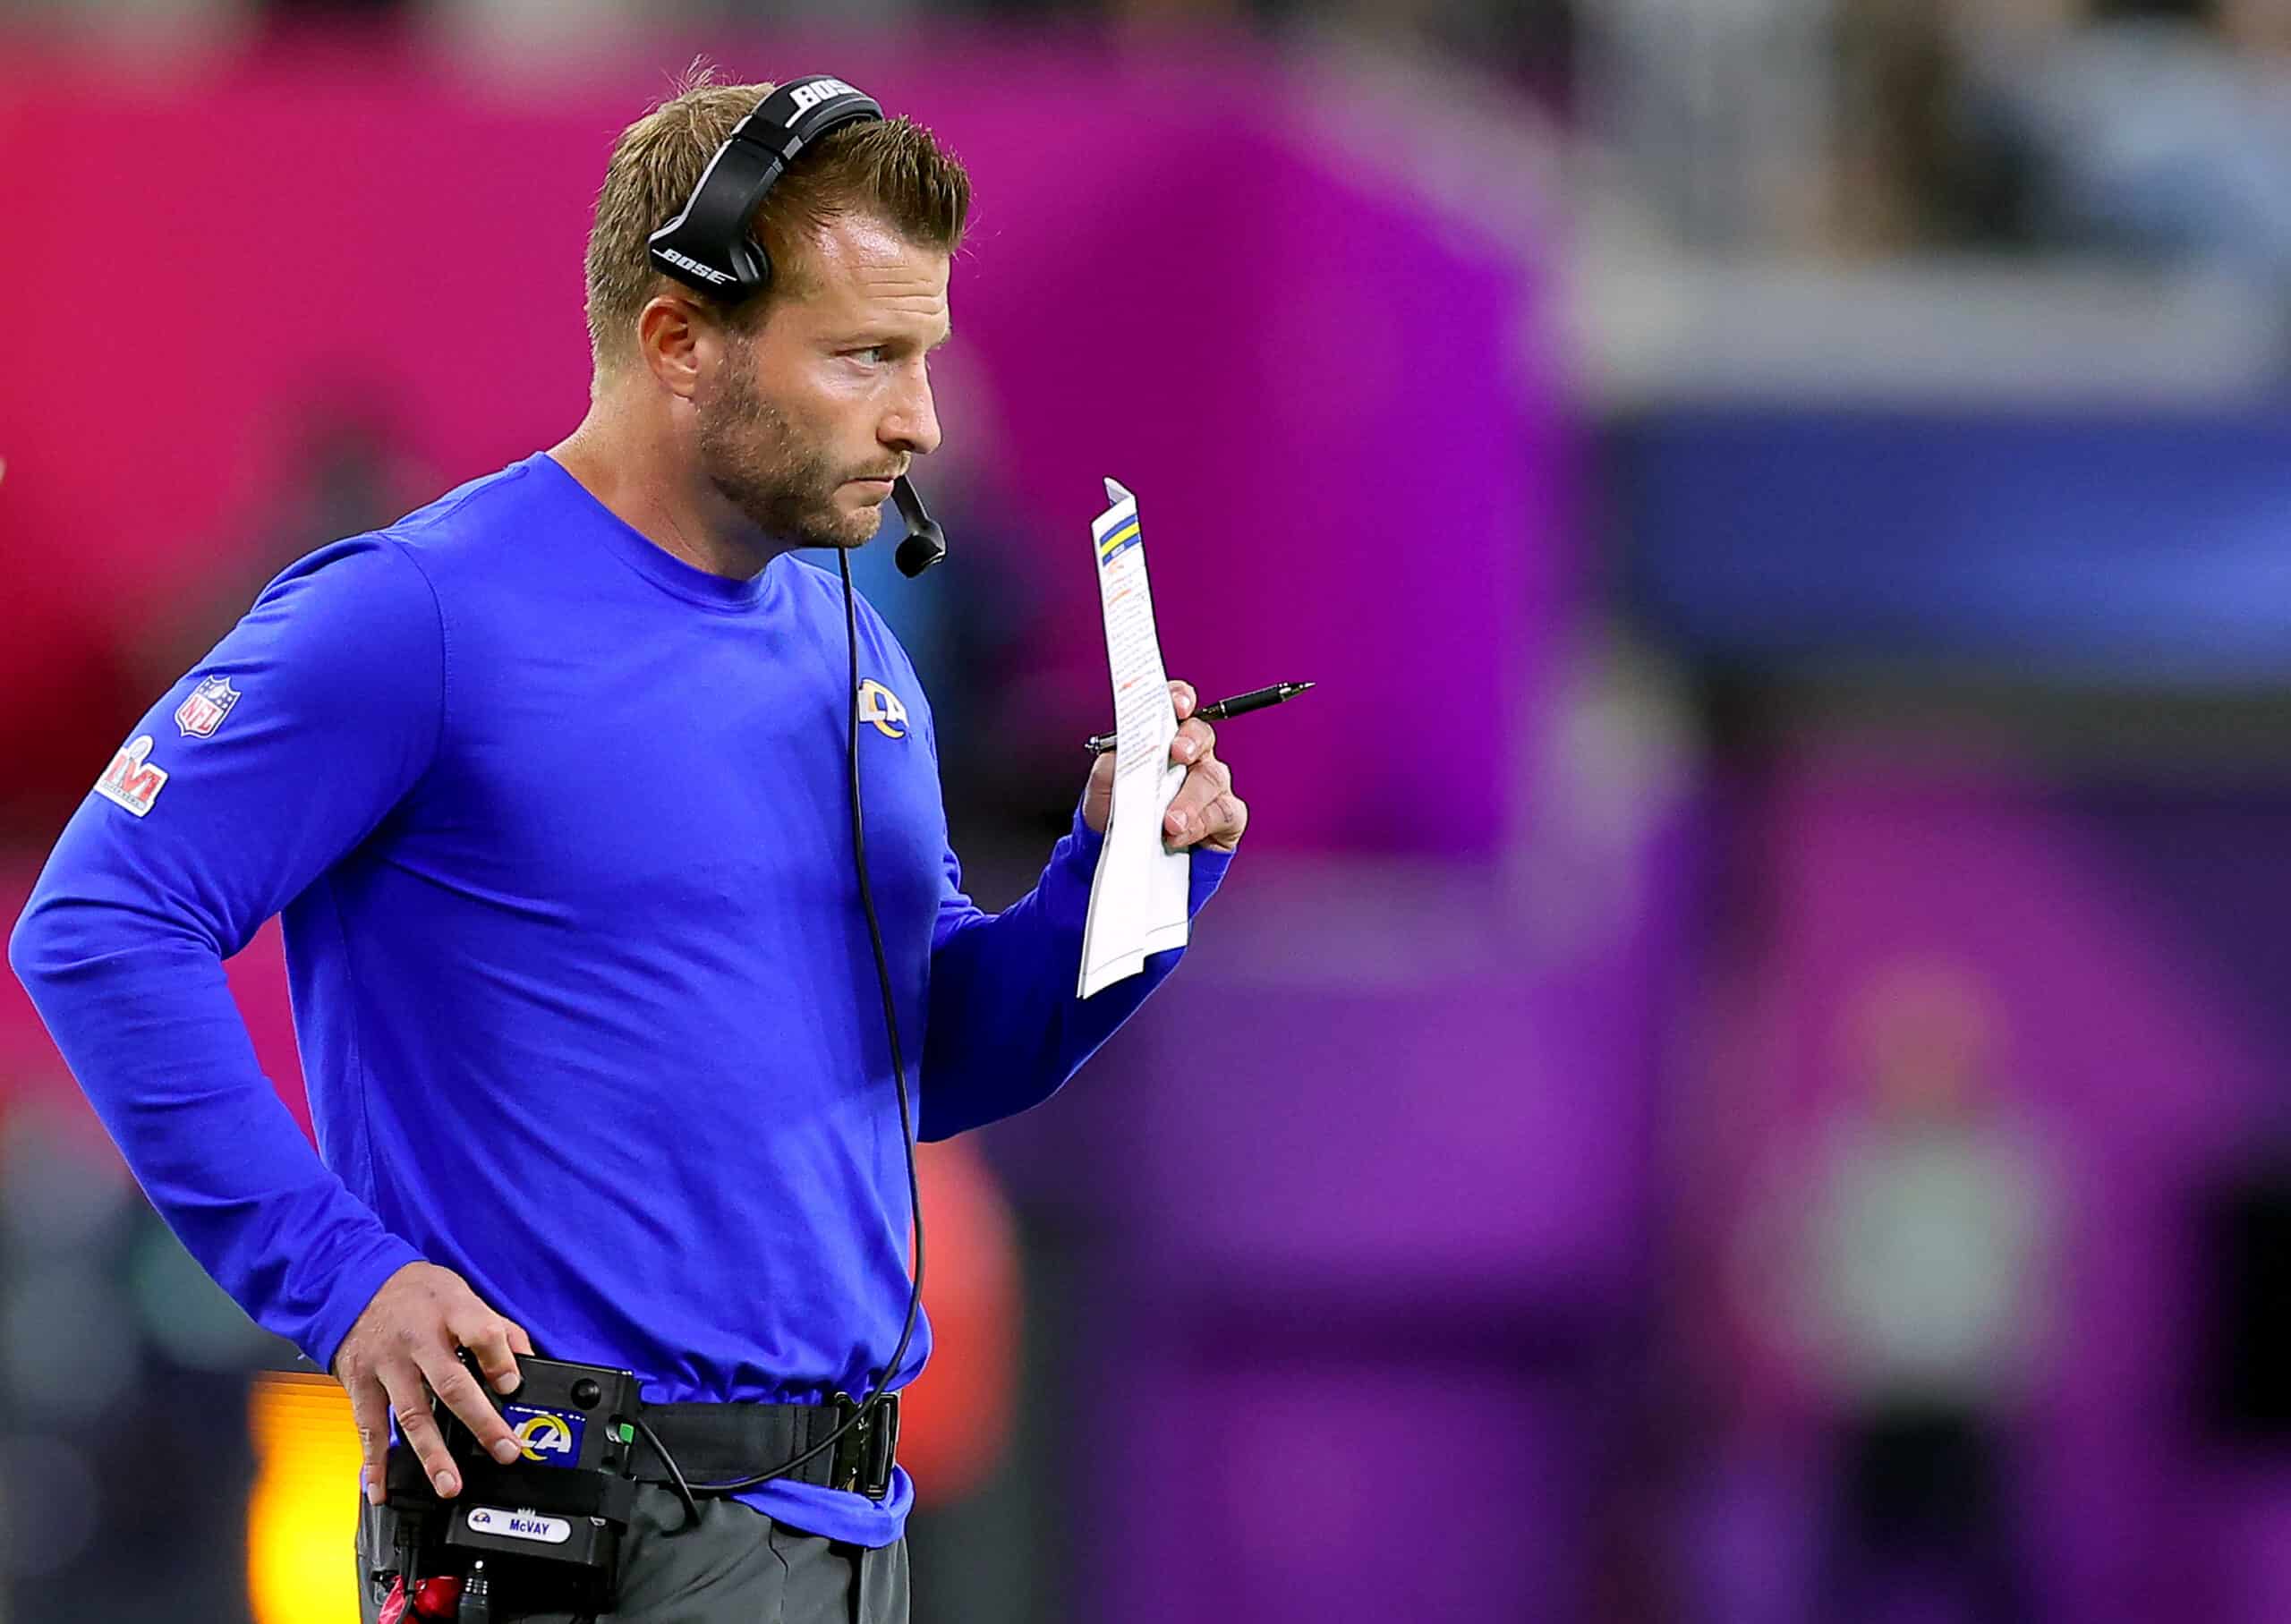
(559, 830)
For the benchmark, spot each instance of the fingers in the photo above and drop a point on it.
(370, 1407)
(1198, 811)
(450, 1380)
(1195, 740)
(1225, 820)
(405, 1347)
(490, 1338)
(1219, 823)
(1188, 819)
(1097, 795)
(410, 1403)
(1186, 701)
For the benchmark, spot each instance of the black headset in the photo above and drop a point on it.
(707, 247)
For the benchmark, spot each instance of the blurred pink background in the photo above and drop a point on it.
(1739, 1074)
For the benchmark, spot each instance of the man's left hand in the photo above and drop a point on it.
(1206, 812)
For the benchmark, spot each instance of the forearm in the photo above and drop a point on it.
(1006, 1029)
(139, 1009)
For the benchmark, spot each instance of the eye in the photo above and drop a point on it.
(872, 355)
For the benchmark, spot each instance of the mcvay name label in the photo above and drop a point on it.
(520, 1525)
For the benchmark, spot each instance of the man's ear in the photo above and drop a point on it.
(679, 341)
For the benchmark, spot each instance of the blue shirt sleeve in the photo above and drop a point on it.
(338, 673)
(1006, 1029)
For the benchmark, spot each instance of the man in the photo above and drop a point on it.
(1922, 1298)
(547, 780)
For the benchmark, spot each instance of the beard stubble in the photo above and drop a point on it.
(758, 462)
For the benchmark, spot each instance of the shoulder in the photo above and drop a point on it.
(477, 514)
(347, 631)
(440, 562)
(820, 591)
(359, 581)
(348, 637)
(473, 504)
(814, 584)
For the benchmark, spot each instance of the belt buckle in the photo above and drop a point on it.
(864, 1455)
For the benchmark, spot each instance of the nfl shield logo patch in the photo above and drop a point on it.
(209, 702)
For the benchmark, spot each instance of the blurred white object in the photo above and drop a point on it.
(1717, 113)
(156, 30)
(525, 33)
(540, 32)
(1656, 326)
(2154, 138)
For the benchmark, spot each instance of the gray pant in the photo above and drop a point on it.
(735, 1566)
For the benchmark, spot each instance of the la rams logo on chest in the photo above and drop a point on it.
(879, 706)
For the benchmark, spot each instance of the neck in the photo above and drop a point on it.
(639, 470)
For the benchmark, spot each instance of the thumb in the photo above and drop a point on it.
(1097, 797)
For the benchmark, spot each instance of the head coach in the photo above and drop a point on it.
(553, 784)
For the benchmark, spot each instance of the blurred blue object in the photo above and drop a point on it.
(2148, 547)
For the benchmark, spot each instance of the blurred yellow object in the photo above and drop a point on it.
(303, 1510)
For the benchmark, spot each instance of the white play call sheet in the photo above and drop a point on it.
(1138, 896)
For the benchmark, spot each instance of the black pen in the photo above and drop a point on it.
(1256, 698)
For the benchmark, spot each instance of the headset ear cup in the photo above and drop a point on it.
(708, 245)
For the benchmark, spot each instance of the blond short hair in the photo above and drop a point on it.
(893, 170)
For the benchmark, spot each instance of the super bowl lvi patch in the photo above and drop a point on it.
(131, 780)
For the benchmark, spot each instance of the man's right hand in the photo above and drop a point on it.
(406, 1347)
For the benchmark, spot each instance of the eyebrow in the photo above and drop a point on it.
(865, 336)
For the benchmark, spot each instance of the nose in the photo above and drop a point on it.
(911, 424)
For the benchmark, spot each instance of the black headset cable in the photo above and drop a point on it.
(906, 1116)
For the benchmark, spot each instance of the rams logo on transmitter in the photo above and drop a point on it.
(550, 1437)
(881, 707)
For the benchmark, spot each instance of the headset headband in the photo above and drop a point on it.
(707, 246)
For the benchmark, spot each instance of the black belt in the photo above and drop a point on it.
(721, 1442)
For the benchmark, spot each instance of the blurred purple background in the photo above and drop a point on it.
(1739, 1074)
